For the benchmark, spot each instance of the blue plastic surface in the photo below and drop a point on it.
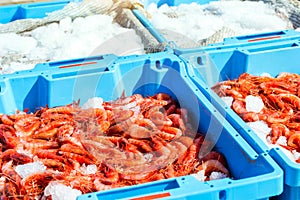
(11, 13)
(108, 76)
(206, 68)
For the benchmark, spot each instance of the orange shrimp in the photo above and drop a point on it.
(177, 121)
(160, 119)
(123, 144)
(9, 172)
(279, 130)
(6, 120)
(10, 191)
(65, 131)
(121, 127)
(136, 176)
(185, 140)
(103, 126)
(293, 99)
(157, 142)
(294, 126)
(213, 155)
(172, 130)
(107, 175)
(34, 184)
(169, 171)
(239, 106)
(49, 154)
(162, 96)
(278, 118)
(122, 115)
(48, 117)
(147, 123)
(275, 87)
(213, 165)
(101, 186)
(8, 138)
(165, 136)
(294, 140)
(144, 145)
(33, 144)
(136, 131)
(17, 158)
(27, 126)
(80, 158)
(61, 109)
(45, 135)
(171, 109)
(52, 125)
(56, 165)
(126, 100)
(76, 150)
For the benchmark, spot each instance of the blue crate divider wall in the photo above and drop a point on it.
(206, 68)
(107, 76)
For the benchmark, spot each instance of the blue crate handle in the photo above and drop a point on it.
(263, 37)
(167, 189)
(88, 62)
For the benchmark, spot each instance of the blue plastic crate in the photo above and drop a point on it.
(11, 13)
(256, 175)
(206, 68)
(230, 42)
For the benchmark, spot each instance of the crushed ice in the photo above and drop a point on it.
(254, 103)
(95, 102)
(60, 191)
(89, 169)
(30, 168)
(217, 175)
(227, 100)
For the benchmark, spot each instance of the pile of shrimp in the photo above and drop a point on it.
(129, 141)
(281, 98)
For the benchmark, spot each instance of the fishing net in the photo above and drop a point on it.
(120, 10)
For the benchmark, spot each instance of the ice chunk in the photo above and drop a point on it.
(95, 102)
(200, 175)
(228, 100)
(266, 75)
(89, 169)
(261, 129)
(296, 154)
(217, 175)
(30, 168)
(60, 191)
(282, 141)
(254, 103)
